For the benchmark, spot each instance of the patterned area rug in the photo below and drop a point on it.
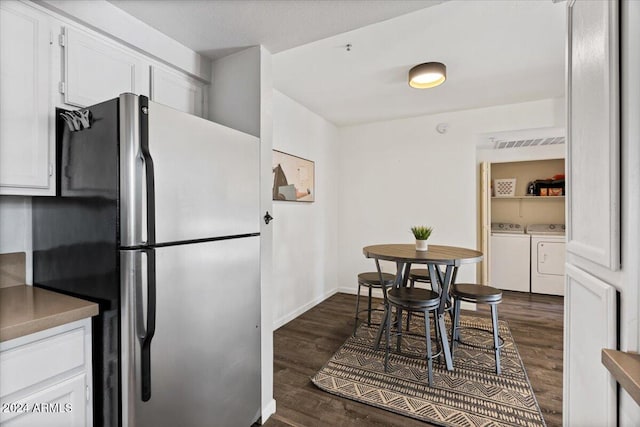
(470, 395)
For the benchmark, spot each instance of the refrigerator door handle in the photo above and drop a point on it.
(148, 170)
(137, 182)
(147, 319)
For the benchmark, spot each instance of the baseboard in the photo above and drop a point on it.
(377, 293)
(290, 316)
(268, 410)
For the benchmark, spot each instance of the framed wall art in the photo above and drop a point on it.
(293, 178)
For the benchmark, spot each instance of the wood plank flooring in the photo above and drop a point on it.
(304, 345)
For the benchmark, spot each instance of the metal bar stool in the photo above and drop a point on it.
(420, 275)
(478, 294)
(413, 300)
(370, 280)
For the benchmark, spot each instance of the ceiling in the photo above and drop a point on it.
(216, 28)
(496, 51)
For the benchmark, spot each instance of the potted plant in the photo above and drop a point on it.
(421, 233)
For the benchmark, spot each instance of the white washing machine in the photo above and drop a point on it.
(509, 257)
(547, 258)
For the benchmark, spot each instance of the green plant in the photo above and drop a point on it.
(421, 232)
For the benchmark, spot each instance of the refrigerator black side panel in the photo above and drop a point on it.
(75, 240)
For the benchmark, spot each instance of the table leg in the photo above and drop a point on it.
(382, 327)
(400, 279)
(444, 283)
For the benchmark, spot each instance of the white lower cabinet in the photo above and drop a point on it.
(62, 404)
(45, 378)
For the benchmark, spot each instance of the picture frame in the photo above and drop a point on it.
(293, 178)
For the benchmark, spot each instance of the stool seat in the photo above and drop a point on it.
(413, 298)
(373, 279)
(420, 275)
(477, 293)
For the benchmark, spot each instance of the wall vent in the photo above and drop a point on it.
(500, 144)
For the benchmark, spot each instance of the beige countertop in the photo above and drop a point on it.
(25, 310)
(625, 368)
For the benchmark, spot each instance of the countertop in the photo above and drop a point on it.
(25, 310)
(625, 368)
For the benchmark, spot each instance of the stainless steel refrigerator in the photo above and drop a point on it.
(157, 219)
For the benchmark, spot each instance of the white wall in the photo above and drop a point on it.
(399, 173)
(234, 94)
(241, 97)
(268, 404)
(305, 242)
(15, 228)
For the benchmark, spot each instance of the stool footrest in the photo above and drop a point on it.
(486, 347)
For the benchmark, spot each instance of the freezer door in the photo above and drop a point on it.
(206, 177)
(204, 355)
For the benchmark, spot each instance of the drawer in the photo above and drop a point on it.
(37, 361)
(60, 405)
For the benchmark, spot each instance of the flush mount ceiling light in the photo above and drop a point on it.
(429, 74)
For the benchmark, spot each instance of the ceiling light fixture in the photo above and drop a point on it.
(427, 75)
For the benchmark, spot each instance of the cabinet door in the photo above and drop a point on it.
(593, 214)
(593, 161)
(97, 70)
(60, 405)
(177, 91)
(25, 64)
(589, 326)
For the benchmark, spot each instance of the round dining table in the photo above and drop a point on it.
(437, 258)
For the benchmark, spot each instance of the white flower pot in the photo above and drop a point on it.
(422, 245)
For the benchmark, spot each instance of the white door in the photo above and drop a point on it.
(485, 221)
(207, 177)
(25, 78)
(551, 258)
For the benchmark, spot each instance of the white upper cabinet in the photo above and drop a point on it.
(177, 91)
(97, 69)
(26, 146)
(593, 161)
(48, 61)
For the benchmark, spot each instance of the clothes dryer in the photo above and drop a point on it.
(548, 247)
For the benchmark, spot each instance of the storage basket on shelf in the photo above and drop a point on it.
(504, 187)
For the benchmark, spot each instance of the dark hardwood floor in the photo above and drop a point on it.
(303, 346)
